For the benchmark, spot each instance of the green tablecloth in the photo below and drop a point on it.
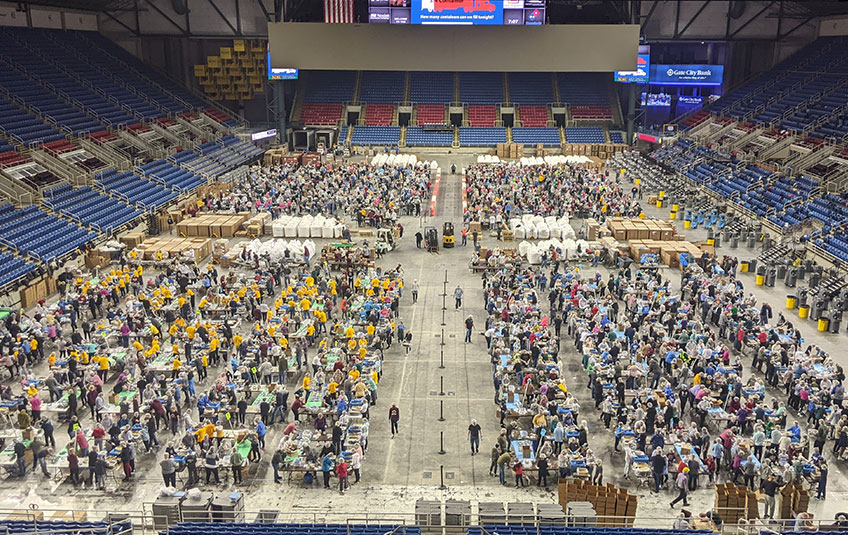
(263, 396)
(314, 400)
(244, 447)
(126, 395)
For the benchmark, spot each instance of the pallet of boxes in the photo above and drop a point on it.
(164, 248)
(509, 151)
(613, 506)
(212, 225)
(258, 225)
(735, 502)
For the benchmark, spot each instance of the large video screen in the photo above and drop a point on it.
(641, 73)
(457, 12)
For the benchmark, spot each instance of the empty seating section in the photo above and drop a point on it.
(518, 529)
(787, 191)
(533, 115)
(221, 117)
(125, 59)
(70, 88)
(584, 134)
(591, 112)
(739, 181)
(470, 136)
(148, 92)
(548, 136)
(33, 231)
(30, 173)
(376, 135)
(48, 105)
(416, 136)
(482, 115)
(12, 268)
(317, 114)
(197, 163)
(134, 189)
(431, 87)
(330, 86)
(34, 527)
(431, 114)
(583, 88)
(382, 87)
(67, 61)
(788, 86)
(616, 136)
(71, 154)
(535, 88)
(695, 119)
(379, 114)
(90, 207)
(236, 528)
(170, 175)
(481, 87)
(23, 127)
(247, 150)
(10, 158)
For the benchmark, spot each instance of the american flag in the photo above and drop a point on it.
(338, 11)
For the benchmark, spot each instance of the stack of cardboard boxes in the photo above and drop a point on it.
(735, 502)
(624, 229)
(613, 505)
(794, 499)
(212, 225)
(259, 225)
(132, 239)
(668, 251)
(175, 247)
(37, 290)
(273, 156)
(214, 189)
(310, 158)
(510, 151)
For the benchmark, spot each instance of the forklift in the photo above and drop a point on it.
(447, 235)
(431, 239)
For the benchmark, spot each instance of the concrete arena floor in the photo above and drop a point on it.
(396, 472)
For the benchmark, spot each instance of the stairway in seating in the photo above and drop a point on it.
(556, 89)
(505, 88)
(456, 88)
(407, 87)
(357, 87)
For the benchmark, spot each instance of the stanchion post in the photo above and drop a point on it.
(443, 338)
(442, 443)
(442, 385)
(442, 359)
(441, 410)
(442, 470)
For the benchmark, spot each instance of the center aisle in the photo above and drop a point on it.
(414, 381)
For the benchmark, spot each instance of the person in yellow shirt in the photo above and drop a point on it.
(306, 383)
(176, 365)
(104, 367)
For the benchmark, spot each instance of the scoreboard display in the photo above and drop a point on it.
(458, 12)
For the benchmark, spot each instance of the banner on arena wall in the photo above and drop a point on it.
(707, 75)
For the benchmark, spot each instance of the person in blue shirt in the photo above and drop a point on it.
(795, 430)
(327, 466)
(261, 430)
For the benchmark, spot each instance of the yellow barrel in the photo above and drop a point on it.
(761, 279)
(662, 194)
(824, 323)
(675, 207)
(743, 266)
(711, 241)
(673, 214)
(641, 215)
(659, 203)
(637, 181)
(791, 301)
(804, 311)
(687, 224)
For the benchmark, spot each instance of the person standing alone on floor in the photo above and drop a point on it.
(457, 294)
(469, 326)
(683, 487)
(394, 418)
(475, 434)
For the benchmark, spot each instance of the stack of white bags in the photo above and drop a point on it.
(536, 227)
(567, 249)
(307, 226)
(276, 248)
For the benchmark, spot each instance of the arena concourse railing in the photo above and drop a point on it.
(144, 522)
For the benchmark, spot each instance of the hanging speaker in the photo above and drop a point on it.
(179, 6)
